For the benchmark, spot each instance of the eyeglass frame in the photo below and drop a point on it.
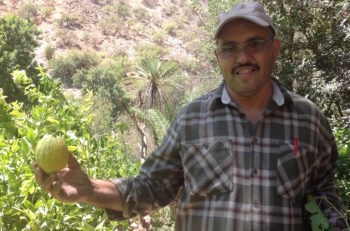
(254, 50)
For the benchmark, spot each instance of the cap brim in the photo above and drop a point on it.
(253, 19)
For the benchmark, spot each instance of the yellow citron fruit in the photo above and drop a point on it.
(51, 154)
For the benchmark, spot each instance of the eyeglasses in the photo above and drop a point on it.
(231, 50)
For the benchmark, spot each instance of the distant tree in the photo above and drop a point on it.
(18, 39)
(155, 80)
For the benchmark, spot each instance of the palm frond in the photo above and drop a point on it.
(155, 80)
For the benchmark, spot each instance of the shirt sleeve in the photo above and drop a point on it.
(158, 181)
(323, 185)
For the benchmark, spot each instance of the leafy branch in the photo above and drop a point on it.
(319, 221)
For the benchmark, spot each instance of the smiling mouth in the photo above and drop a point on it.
(245, 70)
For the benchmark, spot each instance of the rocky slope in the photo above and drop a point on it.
(113, 27)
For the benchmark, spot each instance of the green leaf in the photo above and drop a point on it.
(319, 222)
(52, 120)
(27, 204)
(25, 147)
(31, 189)
(31, 136)
(312, 207)
(72, 148)
(88, 227)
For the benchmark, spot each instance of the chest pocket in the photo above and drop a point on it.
(207, 168)
(294, 171)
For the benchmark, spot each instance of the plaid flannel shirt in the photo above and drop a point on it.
(235, 175)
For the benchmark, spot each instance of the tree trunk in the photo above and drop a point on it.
(143, 142)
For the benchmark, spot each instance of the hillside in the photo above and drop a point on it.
(113, 27)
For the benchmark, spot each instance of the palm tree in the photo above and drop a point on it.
(155, 81)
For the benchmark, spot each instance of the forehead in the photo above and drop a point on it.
(241, 30)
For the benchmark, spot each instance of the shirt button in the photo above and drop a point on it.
(254, 172)
(256, 204)
(255, 140)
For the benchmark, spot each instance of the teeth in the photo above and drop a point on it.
(244, 71)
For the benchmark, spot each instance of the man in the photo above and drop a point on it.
(246, 154)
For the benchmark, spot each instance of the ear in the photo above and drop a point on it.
(216, 54)
(276, 48)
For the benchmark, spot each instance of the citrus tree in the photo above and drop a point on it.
(23, 205)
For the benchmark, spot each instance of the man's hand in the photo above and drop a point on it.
(70, 184)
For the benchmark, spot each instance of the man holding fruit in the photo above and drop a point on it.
(246, 155)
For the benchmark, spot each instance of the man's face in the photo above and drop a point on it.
(247, 73)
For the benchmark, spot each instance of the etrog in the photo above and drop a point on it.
(51, 154)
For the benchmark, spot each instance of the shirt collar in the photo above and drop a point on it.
(280, 95)
(277, 95)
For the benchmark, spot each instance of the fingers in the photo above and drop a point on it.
(45, 181)
(55, 187)
(49, 182)
(72, 162)
(40, 175)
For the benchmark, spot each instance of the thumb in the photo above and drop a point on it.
(72, 161)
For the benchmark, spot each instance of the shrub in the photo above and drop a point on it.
(69, 20)
(100, 78)
(192, 66)
(122, 10)
(64, 67)
(49, 52)
(158, 37)
(93, 39)
(111, 25)
(47, 11)
(170, 27)
(136, 26)
(141, 13)
(151, 50)
(28, 11)
(65, 37)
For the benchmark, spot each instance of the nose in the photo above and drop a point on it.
(242, 56)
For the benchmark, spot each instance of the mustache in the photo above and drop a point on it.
(245, 65)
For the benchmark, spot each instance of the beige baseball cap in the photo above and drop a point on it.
(251, 11)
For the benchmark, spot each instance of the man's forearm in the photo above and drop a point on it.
(104, 195)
